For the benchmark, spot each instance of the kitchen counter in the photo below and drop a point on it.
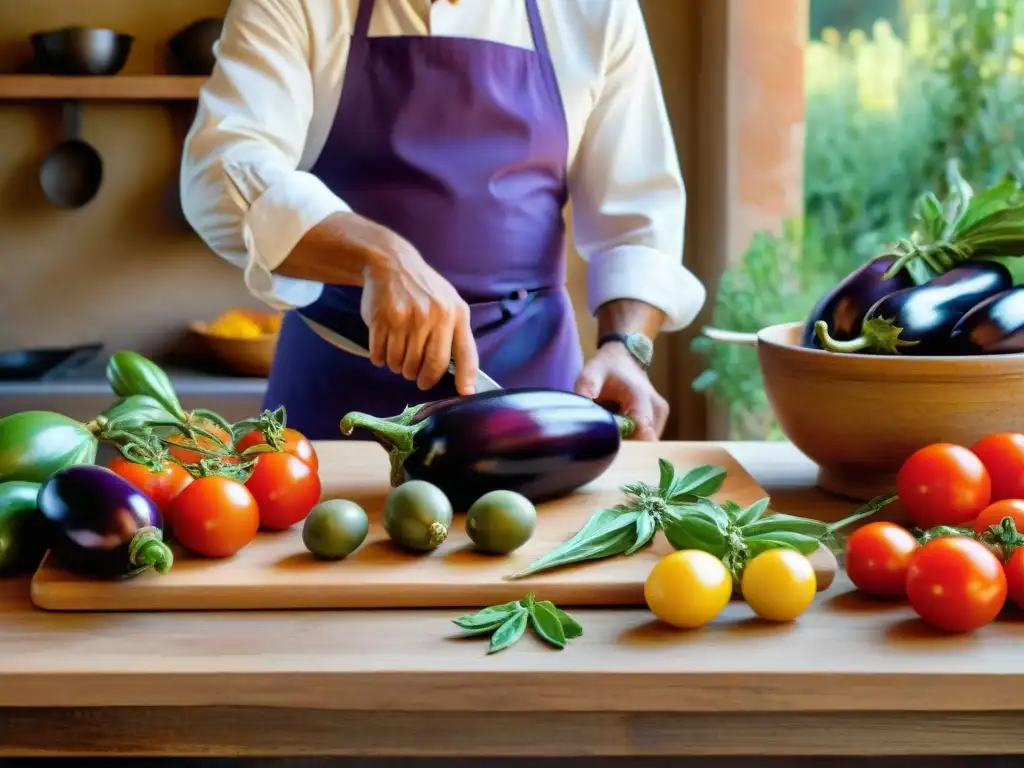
(84, 392)
(851, 677)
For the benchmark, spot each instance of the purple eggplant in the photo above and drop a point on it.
(103, 526)
(844, 307)
(920, 320)
(541, 443)
(993, 327)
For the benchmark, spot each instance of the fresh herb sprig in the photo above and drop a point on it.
(681, 507)
(629, 527)
(507, 623)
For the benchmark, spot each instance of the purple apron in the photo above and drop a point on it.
(460, 146)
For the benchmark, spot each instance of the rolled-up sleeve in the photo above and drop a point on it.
(240, 187)
(628, 198)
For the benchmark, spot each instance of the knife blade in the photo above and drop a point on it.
(354, 337)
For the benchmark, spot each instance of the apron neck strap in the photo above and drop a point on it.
(362, 27)
(540, 40)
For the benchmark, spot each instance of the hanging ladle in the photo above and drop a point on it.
(72, 171)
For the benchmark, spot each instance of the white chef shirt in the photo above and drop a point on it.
(264, 115)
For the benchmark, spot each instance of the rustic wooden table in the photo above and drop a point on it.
(851, 677)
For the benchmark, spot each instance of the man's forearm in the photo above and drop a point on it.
(629, 316)
(340, 250)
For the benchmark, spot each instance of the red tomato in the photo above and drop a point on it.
(1003, 457)
(186, 455)
(285, 489)
(162, 486)
(877, 557)
(943, 484)
(1014, 569)
(994, 513)
(215, 517)
(956, 583)
(294, 443)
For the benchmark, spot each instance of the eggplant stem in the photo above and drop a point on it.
(148, 550)
(397, 434)
(832, 345)
(627, 426)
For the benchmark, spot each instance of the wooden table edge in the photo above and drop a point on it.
(522, 691)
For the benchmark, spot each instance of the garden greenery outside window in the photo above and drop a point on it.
(888, 104)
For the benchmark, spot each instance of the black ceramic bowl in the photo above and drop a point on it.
(81, 51)
(192, 47)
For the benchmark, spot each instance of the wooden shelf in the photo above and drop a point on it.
(113, 88)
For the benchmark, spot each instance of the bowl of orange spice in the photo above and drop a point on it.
(242, 340)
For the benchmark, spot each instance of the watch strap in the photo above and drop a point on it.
(638, 345)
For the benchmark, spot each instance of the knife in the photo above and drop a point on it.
(354, 338)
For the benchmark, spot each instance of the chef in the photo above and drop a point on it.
(409, 162)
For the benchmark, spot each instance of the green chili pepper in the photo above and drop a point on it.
(129, 373)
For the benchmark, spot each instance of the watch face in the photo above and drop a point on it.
(641, 347)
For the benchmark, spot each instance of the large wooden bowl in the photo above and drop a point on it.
(860, 416)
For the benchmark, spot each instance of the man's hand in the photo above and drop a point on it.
(418, 322)
(613, 376)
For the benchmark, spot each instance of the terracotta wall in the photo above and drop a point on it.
(127, 270)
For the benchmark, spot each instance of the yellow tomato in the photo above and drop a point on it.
(688, 588)
(779, 584)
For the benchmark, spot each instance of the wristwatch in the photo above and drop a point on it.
(638, 345)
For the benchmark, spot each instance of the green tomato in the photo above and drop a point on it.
(23, 529)
(35, 444)
(334, 529)
(500, 522)
(417, 516)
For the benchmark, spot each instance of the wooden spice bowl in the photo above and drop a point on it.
(859, 417)
(249, 355)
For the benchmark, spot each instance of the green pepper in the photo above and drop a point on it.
(23, 529)
(35, 444)
(129, 373)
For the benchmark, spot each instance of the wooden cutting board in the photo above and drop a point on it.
(276, 572)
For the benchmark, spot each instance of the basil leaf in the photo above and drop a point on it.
(481, 628)
(668, 477)
(488, 617)
(783, 522)
(928, 213)
(509, 632)
(997, 198)
(646, 527)
(701, 481)
(707, 508)
(547, 625)
(801, 542)
(732, 509)
(612, 538)
(750, 514)
(570, 627)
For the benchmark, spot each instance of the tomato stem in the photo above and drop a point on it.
(202, 414)
(869, 508)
